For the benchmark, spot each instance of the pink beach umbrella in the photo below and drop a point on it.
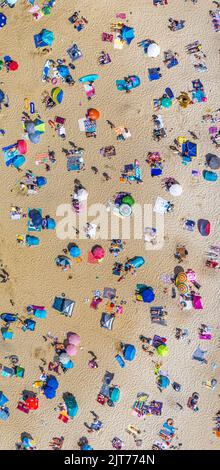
(191, 275)
(73, 338)
(71, 349)
(98, 252)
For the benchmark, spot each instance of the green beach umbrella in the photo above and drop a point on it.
(162, 350)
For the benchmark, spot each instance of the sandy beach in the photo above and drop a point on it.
(34, 276)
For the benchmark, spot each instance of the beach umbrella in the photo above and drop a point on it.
(64, 358)
(3, 20)
(162, 350)
(73, 338)
(166, 102)
(125, 210)
(163, 381)
(34, 138)
(39, 126)
(191, 275)
(71, 349)
(53, 382)
(75, 251)
(182, 277)
(82, 195)
(128, 199)
(129, 352)
(22, 146)
(13, 65)
(98, 252)
(153, 50)
(93, 114)
(183, 288)
(204, 227)
(213, 161)
(148, 295)
(2, 96)
(18, 161)
(41, 181)
(30, 127)
(57, 95)
(32, 403)
(176, 189)
(49, 392)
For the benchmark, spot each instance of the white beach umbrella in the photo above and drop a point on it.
(176, 190)
(82, 195)
(153, 50)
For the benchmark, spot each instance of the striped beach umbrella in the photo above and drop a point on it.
(183, 288)
(57, 95)
(182, 277)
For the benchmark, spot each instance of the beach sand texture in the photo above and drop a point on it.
(34, 277)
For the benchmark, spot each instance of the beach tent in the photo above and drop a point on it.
(7, 333)
(44, 38)
(3, 20)
(3, 399)
(19, 371)
(71, 404)
(64, 306)
(127, 34)
(107, 321)
(4, 414)
(29, 324)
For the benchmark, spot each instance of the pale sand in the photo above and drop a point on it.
(34, 276)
